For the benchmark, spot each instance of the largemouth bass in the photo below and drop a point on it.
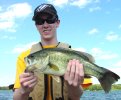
(54, 61)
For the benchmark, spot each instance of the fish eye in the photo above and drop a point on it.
(31, 56)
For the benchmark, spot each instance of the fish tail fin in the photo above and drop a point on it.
(107, 80)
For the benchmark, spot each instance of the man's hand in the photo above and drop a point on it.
(74, 76)
(27, 81)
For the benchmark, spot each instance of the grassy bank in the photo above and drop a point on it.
(98, 87)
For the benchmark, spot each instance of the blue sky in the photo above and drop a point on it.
(93, 26)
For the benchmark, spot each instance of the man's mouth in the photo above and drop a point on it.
(46, 31)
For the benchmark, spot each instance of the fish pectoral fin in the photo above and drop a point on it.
(53, 67)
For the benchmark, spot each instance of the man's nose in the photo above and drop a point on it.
(45, 23)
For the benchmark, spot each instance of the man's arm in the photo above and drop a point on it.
(74, 76)
(18, 95)
(27, 81)
(75, 93)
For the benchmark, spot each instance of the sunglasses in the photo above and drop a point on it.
(41, 21)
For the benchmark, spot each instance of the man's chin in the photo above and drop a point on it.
(47, 38)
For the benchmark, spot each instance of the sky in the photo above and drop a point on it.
(93, 26)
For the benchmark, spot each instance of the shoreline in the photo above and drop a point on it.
(91, 88)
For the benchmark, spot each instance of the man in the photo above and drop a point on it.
(44, 87)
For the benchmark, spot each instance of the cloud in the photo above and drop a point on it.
(120, 26)
(83, 3)
(22, 47)
(118, 72)
(93, 31)
(109, 0)
(10, 14)
(58, 2)
(7, 25)
(118, 64)
(108, 56)
(80, 49)
(0, 8)
(78, 3)
(112, 36)
(8, 79)
(98, 53)
(94, 9)
(8, 37)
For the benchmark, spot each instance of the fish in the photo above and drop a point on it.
(54, 61)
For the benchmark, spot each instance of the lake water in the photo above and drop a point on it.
(101, 95)
(88, 95)
(6, 95)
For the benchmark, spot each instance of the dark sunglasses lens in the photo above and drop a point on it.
(50, 21)
(39, 22)
(42, 21)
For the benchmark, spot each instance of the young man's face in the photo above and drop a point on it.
(47, 26)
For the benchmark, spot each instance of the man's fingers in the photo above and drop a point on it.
(30, 82)
(24, 75)
(76, 78)
(81, 73)
(67, 73)
(27, 78)
(72, 71)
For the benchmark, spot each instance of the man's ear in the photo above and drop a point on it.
(58, 23)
